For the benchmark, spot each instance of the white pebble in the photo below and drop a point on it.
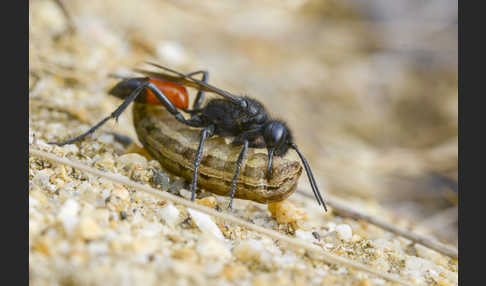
(68, 215)
(42, 180)
(185, 193)
(205, 223)
(89, 229)
(331, 226)
(132, 159)
(304, 235)
(344, 232)
(170, 214)
(71, 149)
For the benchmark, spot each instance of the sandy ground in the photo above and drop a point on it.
(375, 117)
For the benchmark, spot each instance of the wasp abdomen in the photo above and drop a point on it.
(176, 93)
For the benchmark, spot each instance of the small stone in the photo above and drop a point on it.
(286, 212)
(68, 215)
(304, 235)
(105, 161)
(355, 238)
(123, 215)
(210, 202)
(344, 232)
(132, 160)
(185, 193)
(170, 214)
(119, 199)
(185, 254)
(176, 186)
(161, 179)
(42, 246)
(121, 193)
(89, 229)
(42, 179)
(205, 223)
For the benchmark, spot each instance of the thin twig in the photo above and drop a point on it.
(440, 219)
(297, 243)
(340, 208)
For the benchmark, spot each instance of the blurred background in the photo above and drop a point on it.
(369, 88)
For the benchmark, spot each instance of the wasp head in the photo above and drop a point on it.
(277, 136)
(278, 140)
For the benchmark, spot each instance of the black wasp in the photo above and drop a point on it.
(241, 117)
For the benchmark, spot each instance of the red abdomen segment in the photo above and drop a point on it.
(176, 93)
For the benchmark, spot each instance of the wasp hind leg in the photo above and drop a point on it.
(115, 114)
(133, 95)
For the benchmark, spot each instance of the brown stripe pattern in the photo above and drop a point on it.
(174, 145)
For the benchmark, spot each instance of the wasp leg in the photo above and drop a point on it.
(115, 114)
(237, 171)
(270, 162)
(200, 94)
(205, 133)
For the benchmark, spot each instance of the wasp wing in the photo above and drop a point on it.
(185, 80)
(171, 78)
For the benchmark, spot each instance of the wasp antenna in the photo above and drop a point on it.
(168, 69)
(312, 181)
